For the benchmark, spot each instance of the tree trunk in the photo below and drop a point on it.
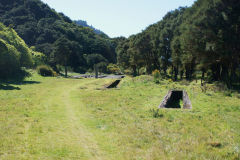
(233, 74)
(224, 75)
(187, 73)
(165, 71)
(96, 71)
(138, 73)
(202, 78)
(181, 74)
(172, 73)
(65, 71)
(175, 73)
(216, 72)
(149, 70)
(134, 71)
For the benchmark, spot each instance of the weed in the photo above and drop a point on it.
(83, 87)
(184, 82)
(156, 114)
(215, 144)
(228, 93)
(156, 75)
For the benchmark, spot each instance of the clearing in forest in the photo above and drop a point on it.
(57, 118)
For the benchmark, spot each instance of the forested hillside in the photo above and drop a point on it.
(187, 42)
(14, 54)
(41, 27)
(85, 24)
(201, 39)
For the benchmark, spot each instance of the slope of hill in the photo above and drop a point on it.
(85, 24)
(41, 26)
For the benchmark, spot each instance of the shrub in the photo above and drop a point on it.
(228, 93)
(45, 71)
(142, 71)
(14, 55)
(185, 82)
(156, 75)
(39, 58)
(128, 72)
(156, 114)
(113, 68)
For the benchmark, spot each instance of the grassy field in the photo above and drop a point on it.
(57, 118)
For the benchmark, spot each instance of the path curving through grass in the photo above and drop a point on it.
(39, 121)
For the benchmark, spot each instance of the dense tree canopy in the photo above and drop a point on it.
(40, 26)
(85, 24)
(203, 38)
(14, 53)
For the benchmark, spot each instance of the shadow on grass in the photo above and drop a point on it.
(24, 82)
(8, 85)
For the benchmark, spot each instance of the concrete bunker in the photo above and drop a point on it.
(173, 99)
(114, 84)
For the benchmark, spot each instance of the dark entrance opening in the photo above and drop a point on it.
(114, 84)
(174, 98)
(174, 101)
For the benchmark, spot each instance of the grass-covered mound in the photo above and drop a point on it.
(74, 119)
(14, 53)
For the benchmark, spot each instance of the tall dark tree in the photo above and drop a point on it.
(62, 52)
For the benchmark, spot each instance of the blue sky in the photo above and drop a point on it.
(117, 17)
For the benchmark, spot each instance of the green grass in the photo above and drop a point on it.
(60, 118)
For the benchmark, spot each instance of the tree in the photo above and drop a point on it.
(14, 54)
(62, 52)
(95, 59)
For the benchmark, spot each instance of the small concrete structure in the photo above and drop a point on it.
(114, 84)
(172, 100)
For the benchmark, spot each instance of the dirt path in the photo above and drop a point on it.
(78, 132)
(47, 121)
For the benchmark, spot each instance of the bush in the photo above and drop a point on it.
(156, 75)
(185, 82)
(128, 72)
(228, 93)
(156, 114)
(114, 69)
(45, 71)
(14, 55)
(142, 71)
(39, 58)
